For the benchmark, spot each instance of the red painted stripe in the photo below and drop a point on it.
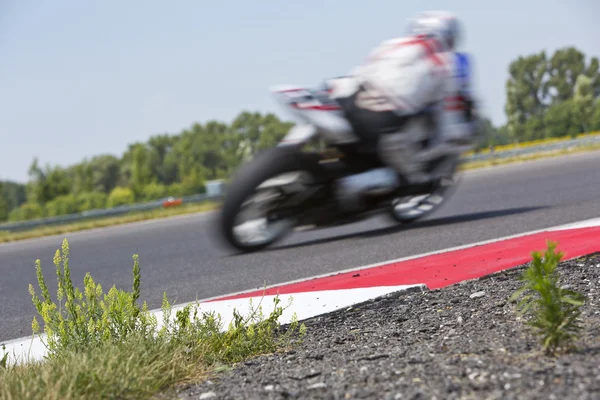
(440, 270)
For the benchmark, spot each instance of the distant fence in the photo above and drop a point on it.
(217, 192)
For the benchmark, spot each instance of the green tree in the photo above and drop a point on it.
(538, 85)
(82, 177)
(561, 120)
(526, 92)
(12, 195)
(47, 184)
(164, 167)
(583, 100)
(595, 124)
(258, 132)
(105, 171)
(564, 67)
(4, 208)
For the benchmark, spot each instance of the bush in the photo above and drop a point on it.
(175, 190)
(553, 310)
(107, 346)
(61, 205)
(120, 196)
(153, 191)
(91, 201)
(191, 186)
(89, 319)
(26, 212)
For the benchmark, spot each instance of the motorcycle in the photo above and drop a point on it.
(288, 187)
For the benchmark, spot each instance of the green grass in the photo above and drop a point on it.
(107, 346)
(208, 206)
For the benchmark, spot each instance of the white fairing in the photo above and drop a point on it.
(317, 113)
(299, 134)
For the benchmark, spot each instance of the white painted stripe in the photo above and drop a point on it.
(304, 305)
(590, 223)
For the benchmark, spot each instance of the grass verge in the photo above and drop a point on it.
(208, 206)
(530, 157)
(105, 222)
(107, 346)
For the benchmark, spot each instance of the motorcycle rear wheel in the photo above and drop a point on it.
(414, 208)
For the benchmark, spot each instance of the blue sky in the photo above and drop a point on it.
(80, 78)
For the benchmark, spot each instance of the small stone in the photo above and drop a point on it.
(207, 395)
(319, 385)
(477, 295)
(269, 388)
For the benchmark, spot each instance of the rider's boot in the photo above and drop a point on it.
(351, 190)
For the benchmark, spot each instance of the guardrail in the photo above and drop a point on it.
(526, 150)
(101, 213)
(112, 212)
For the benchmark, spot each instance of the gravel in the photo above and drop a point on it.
(460, 342)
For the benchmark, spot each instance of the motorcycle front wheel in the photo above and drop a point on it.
(249, 219)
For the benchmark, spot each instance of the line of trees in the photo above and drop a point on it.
(549, 97)
(546, 97)
(165, 165)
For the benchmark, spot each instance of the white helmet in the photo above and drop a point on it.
(442, 24)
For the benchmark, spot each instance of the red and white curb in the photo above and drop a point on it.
(322, 294)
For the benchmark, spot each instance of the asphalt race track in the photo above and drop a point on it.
(180, 256)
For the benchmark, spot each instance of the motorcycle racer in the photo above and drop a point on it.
(413, 100)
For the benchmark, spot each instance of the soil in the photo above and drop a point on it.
(465, 341)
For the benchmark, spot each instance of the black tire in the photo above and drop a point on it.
(429, 204)
(272, 162)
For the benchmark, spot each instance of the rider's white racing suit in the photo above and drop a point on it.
(403, 77)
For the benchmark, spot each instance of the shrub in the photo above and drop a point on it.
(91, 201)
(175, 190)
(61, 205)
(88, 320)
(553, 310)
(107, 346)
(26, 211)
(120, 196)
(192, 185)
(153, 191)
